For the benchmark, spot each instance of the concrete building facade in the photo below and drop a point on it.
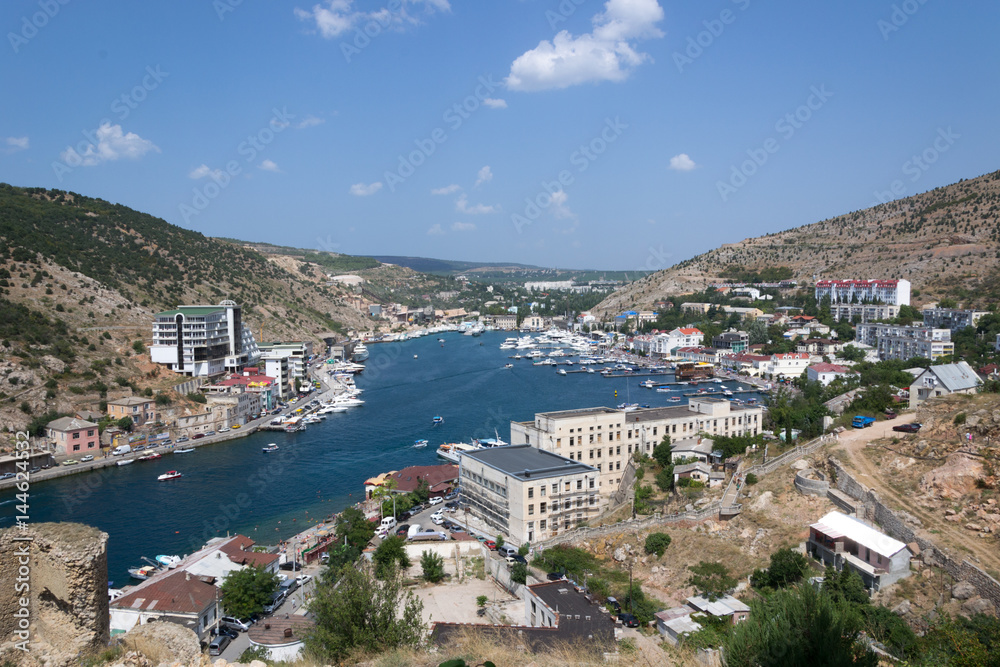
(202, 341)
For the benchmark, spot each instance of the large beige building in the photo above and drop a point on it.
(607, 438)
(527, 494)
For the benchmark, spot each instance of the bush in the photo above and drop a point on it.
(433, 566)
(481, 600)
(787, 567)
(959, 419)
(519, 573)
(197, 397)
(665, 478)
(657, 543)
(751, 479)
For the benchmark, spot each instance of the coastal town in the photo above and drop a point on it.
(712, 422)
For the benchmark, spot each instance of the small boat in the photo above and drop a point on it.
(664, 390)
(125, 462)
(440, 340)
(590, 370)
(417, 444)
(561, 371)
(674, 399)
(142, 573)
(414, 356)
(727, 393)
(183, 451)
(150, 457)
(169, 561)
(170, 474)
(438, 420)
(508, 365)
(270, 448)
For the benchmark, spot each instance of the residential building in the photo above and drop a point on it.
(252, 381)
(698, 448)
(789, 364)
(754, 365)
(236, 405)
(532, 323)
(708, 355)
(697, 471)
(528, 494)
(139, 410)
(863, 312)
(893, 341)
(505, 322)
(176, 596)
(665, 343)
(203, 341)
(942, 380)
(892, 292)
(440, 479)
(825, 373)
(843, 541)
(820, 346)
(298, 354)
(745, 313)
(278, 367)
(607, 438)
(697, 307)
(735, 341)
(73, 436)
(951, 318)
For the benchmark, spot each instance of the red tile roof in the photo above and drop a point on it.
(828, 368)
(690, 332)
(239, 551)
(407, 479)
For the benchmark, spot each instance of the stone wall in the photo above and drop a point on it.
(900, 526)
(68, 590)
(806, 482)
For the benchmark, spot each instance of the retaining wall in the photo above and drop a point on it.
(898, 525)
(809, 486)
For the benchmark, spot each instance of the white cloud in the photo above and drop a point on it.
(606, 54)
(485, 175)
(335, 17)
(463, 227)
(14, 144)
(559, 208)
(682, 162)
(112, 144)
(462, 206)
(310, 121)
(495, 103)
(446, 190)
(362, 190)
(205, 171)
(269, 165)
(435, 230)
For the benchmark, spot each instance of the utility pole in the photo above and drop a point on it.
(630, 564)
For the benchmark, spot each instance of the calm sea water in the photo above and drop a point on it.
(234, 487)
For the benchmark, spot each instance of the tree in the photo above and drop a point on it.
(662, 453)
(125, 424)
(246, 591)
(499, 541)
(481, 600)
(845, 586)
(787, 567)
(523, 549)
(423, 491)
(391, 552)
(355, 527)
(432, 566)
(851, 353)
(758, 332)
(657, 543)
(665, 478)
(363, 613)
(798, 626)
(519, 573)
(712, 579)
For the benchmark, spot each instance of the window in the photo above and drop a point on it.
(618, 465)
(76, 436)
(541, 525)
(567, 487)
(571, 441)
(591, 453)
(568, 505)
(618, 450)
(591, 482)
(579, 484)
(541, 490)
(90, 433)
(531, 492)
(76, 448)
(541, 510)
(531, 509)
(555, 488)
(591, 438)
(654, 430)
(558, 442)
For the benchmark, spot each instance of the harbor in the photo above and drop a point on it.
(233, 487)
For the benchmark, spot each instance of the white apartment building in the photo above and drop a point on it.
(664, 344)
(606, 438)
(527, 494)
(277, 367)
(297, 353)
(202, 341)
(893, 341)
(863, 312)
(892, 292)
(791, 364)
(951, 318)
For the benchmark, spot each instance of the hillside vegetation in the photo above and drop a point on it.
(945, 241)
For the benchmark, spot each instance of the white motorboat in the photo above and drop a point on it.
(270, 448)
(418, 444)
(360, 353)
(125, 462)
(170, 474)
(561, 371)
(184, 451)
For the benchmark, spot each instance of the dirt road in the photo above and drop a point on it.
(946, 535)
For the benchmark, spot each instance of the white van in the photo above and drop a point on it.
(388, 523)
(121, 449)
(414, 529)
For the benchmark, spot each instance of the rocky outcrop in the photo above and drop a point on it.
(164, 642)
(66, 571)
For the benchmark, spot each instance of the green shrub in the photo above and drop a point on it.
(657, 543)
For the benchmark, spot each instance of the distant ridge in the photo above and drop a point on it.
(428, 265)
(946, 242)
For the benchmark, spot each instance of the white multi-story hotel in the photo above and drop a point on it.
(892, 292)
(895, 341)
(664, 344)
(203, 340)
(606, 438)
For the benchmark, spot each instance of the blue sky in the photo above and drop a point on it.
(628, 134)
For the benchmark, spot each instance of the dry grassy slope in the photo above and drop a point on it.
(945, 237)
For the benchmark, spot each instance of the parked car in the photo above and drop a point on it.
(210, 433)
(890, 414)
(70, 462)
(218, 645)
(402, 530)
(451, 496)
(907, 428)
(293, 566)
(450, 510)
(138, 448)
(8, 475)
(481, 538)
(417, 509)
(613, 603)
(183, 438)
(88, 457)
(453, 503)
(554, 576)
(628, 620)
(197, 436)
(436, 500)
(236, 623)
(34, 470)
(303, 579)
(236, 425)
(490, 544)
(225, 631)
(224, 429)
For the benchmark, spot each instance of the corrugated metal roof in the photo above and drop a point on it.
(858, 532)
(956, 377)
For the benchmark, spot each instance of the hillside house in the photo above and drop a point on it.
(843, 541)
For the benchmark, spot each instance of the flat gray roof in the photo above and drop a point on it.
(526, 462)
(582, 412)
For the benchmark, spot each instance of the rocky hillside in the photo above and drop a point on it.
(945, 241)
(80, 279)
